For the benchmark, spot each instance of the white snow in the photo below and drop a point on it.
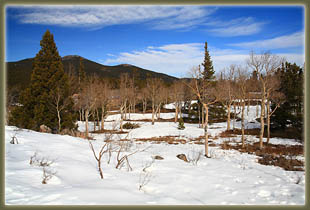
(228, 178)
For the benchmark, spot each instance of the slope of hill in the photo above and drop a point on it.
(19, 72)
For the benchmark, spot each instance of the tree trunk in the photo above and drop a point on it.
(203, 117)
(199, 116)
(180, 110)
(228, 117)
(59, 120)
(94, 118)
(122, 118)
(80, 112)
(86, 123)
(262, 123)
(235, 112)
(144, 106)
(97, 116)
(206, 131)
(153, 114)
(268, 121)
(248, 108)
(257, 109)
(242, 123)
(129, 109)
(176, 113)
(125, 109)
(100, 170)
(102, 118)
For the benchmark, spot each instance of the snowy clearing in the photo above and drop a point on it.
(228, 178)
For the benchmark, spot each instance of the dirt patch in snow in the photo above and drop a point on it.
(109, 131)
(287, 133)
(161, 139)
(283, 156)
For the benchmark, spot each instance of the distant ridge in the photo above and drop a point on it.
(19, 72)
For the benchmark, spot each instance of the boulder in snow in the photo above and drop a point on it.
(45, 129)
(182, 157)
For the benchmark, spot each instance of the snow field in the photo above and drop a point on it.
(228, 178)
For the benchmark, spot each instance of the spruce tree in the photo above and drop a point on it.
(47, 79)
(290, 113)
(208, 72)
(217, 111)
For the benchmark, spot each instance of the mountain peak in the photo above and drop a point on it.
(67, 57)
(125, 65)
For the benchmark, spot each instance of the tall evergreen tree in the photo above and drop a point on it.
(217, 110)
(47, 80)
(208, 72)
(290, 113)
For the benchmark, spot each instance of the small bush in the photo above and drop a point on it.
(129, 125)
(181, 124)
(45, 164)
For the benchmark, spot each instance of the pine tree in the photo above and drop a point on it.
(290, 113)
(208, 72)
(217, 111)
(48, 80)
(181, 124)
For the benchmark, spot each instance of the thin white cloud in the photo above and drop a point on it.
(236, 27)
(174, 59)
(158, 17)
(155, 17)
(178, 59)
(292, 40)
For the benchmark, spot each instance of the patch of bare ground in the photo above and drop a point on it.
(283, 156)
(201, 140)
(149, 120)
(287, 133)
(109, 131)
(162, 139)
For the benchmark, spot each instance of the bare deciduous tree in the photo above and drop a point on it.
(123, 94)
(59, 103)
(99, 156)
(88, 99)
(206, 94)
(272, 96)
(104, 99)
(177, 93)
(265, 65)
(242, 82)
(153, 86)
(143, 97)
(226, 90)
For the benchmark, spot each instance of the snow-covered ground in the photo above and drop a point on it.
(229, 177)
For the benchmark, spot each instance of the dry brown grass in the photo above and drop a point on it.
(109, 131)
(161, 139)
(271, 154)
(201, 140)
(287, 133)
(150, 120)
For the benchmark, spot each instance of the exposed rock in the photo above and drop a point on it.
(157, 157)
(45, 129)
(69, 132)
(182, 157)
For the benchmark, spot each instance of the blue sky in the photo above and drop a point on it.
(168, 39)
